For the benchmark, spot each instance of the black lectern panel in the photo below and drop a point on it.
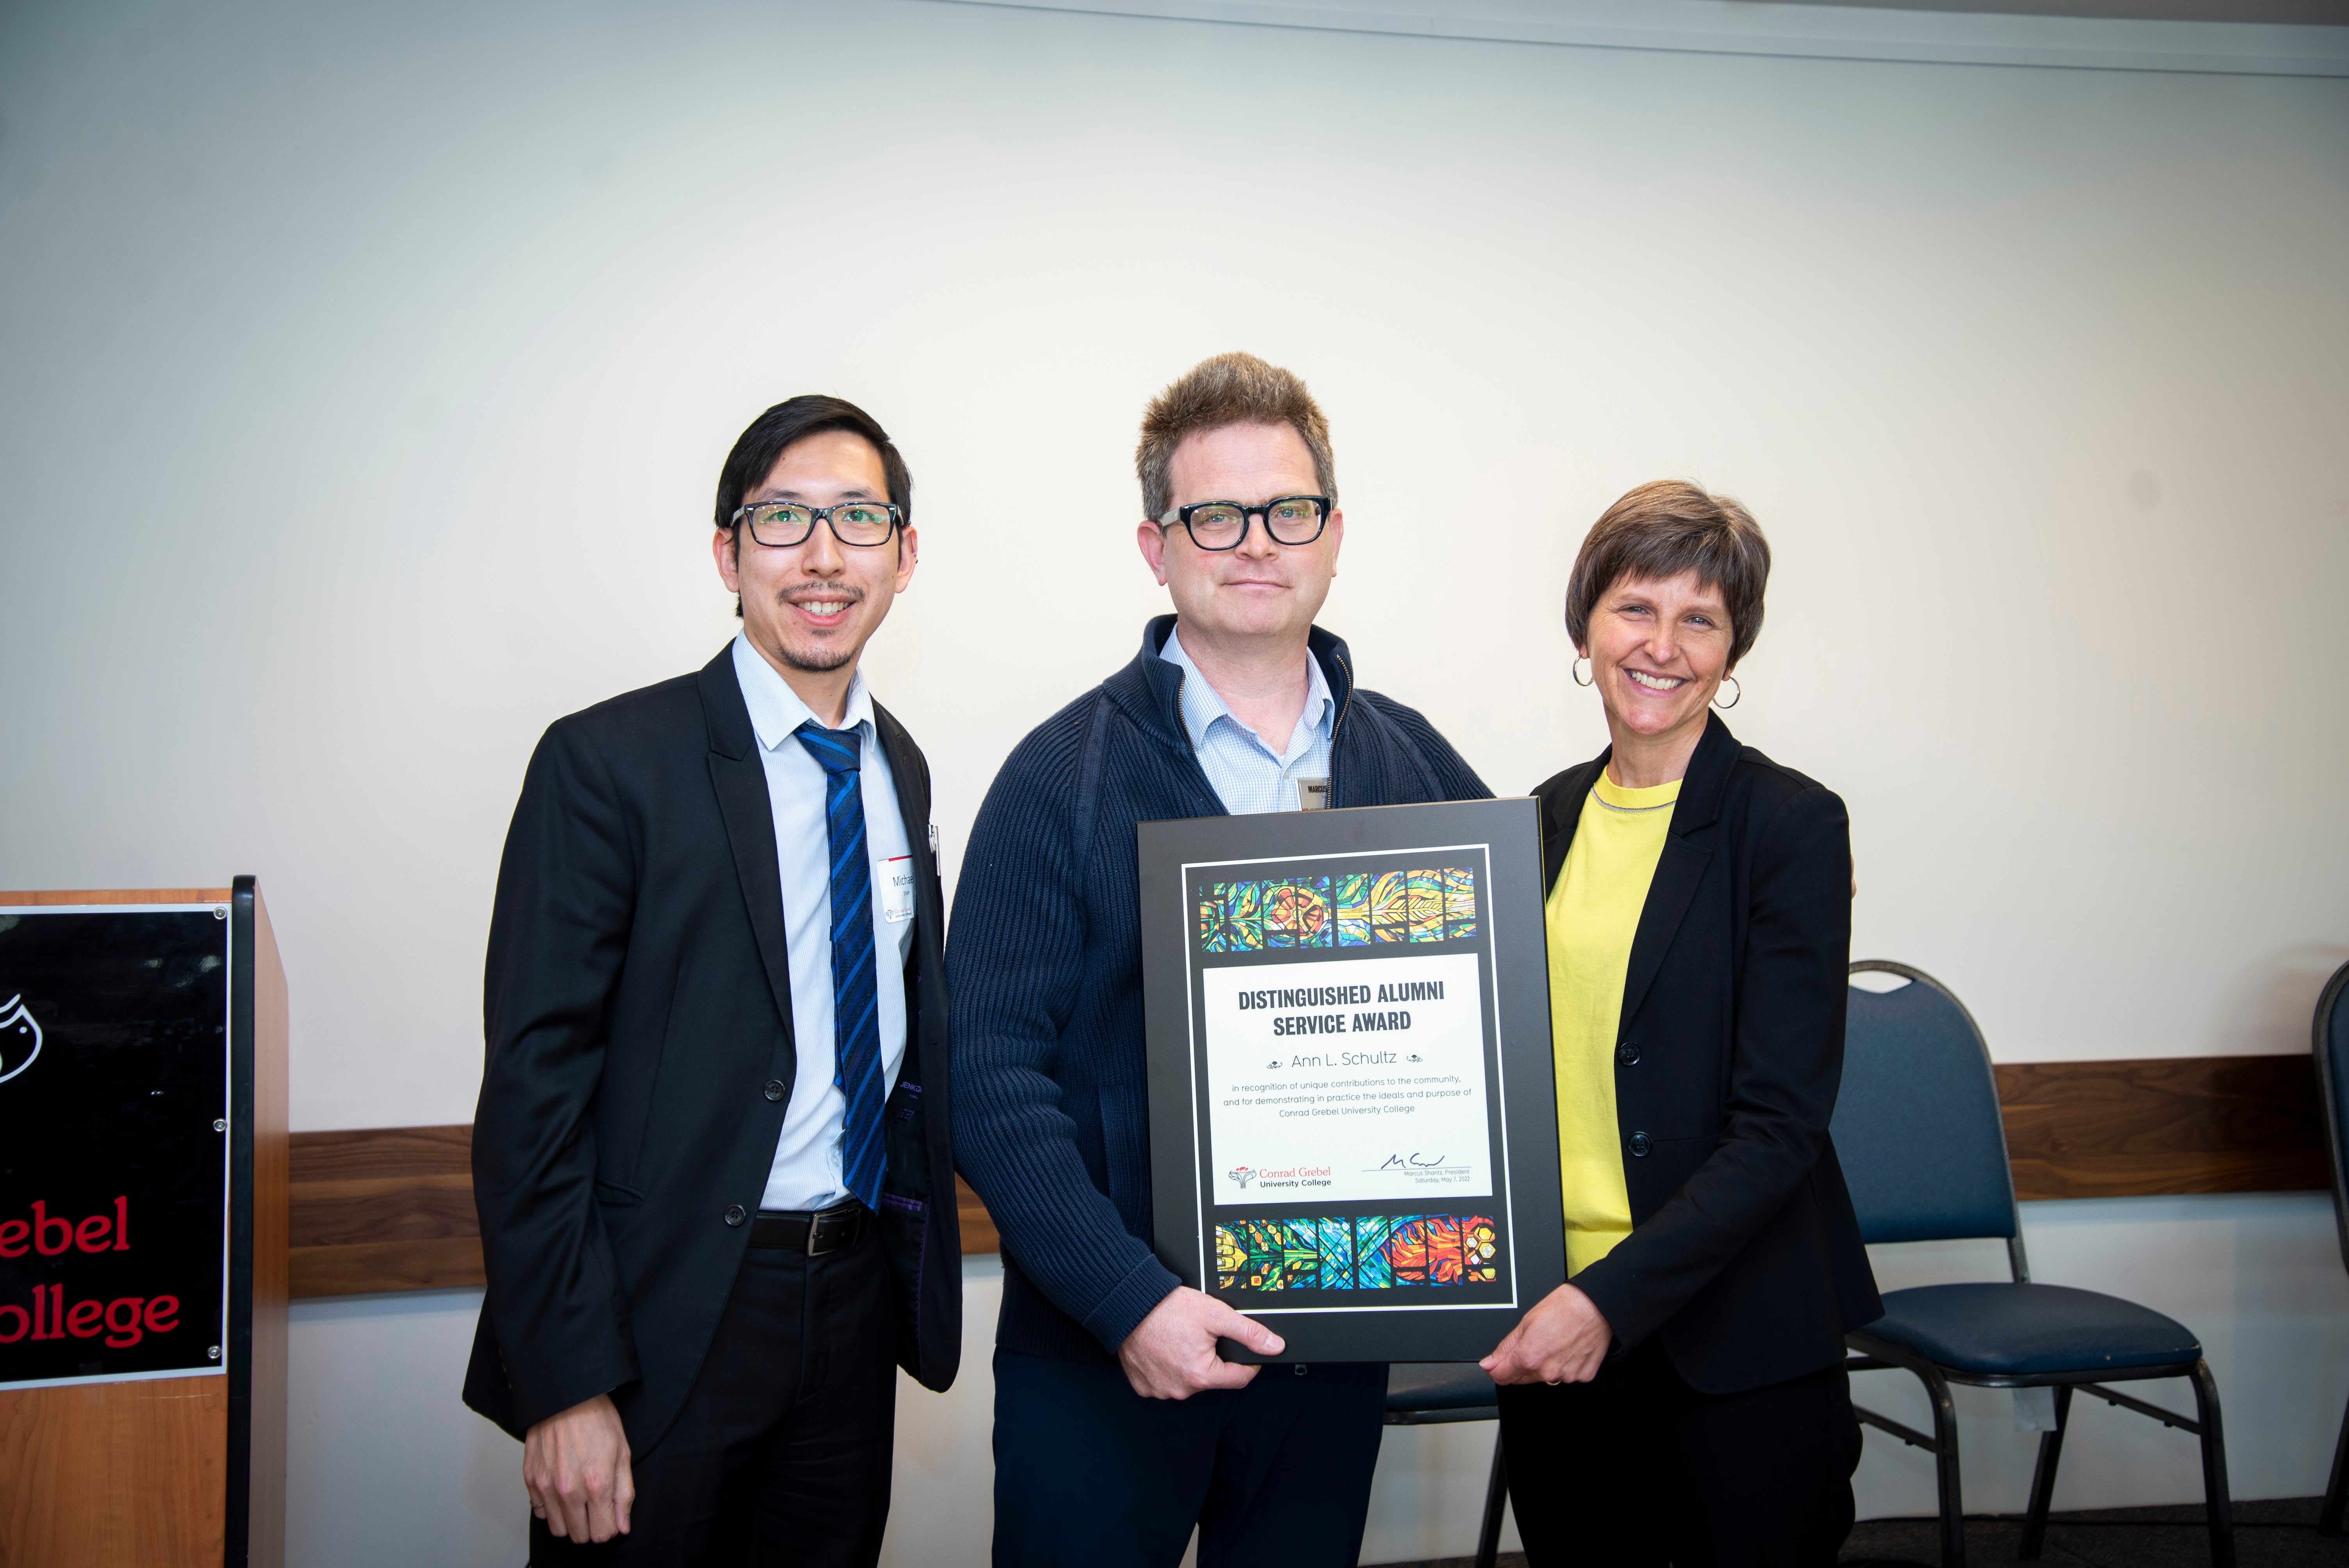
(114, 1089)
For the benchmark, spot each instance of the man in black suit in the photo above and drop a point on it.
(712, 1156)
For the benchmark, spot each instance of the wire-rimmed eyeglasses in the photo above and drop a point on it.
(1222, 524)
(782, 524)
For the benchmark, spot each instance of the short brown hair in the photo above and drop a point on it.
(1663, 529)
(1229, 389)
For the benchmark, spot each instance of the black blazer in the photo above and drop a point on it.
(638, 1017)
(1743, 1255)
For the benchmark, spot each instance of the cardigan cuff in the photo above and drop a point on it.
(1121, 1311)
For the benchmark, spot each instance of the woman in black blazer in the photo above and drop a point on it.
(1682, 1399)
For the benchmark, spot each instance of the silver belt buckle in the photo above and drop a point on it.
(845, 1225)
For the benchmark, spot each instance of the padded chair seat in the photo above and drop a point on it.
(1418, 1386)
(2027, 1330)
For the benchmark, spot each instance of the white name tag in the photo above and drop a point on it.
(897, 888)
(1312, 794)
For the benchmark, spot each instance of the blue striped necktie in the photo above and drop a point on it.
(855, 1002)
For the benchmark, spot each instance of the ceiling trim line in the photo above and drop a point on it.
(1854, 34)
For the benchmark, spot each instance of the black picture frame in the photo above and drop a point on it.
(1433, 1275)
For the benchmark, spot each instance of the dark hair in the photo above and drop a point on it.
(1661, 530)
(1228, 390)
(795, 419)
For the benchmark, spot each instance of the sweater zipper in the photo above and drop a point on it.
(1182, 675)
(1343, 708)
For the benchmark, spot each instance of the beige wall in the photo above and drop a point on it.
(364, 375)
(367, 373)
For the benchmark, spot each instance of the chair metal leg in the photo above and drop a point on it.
(1875, 1355)
(2043, 1482)
(2336, 1491)
(1496, 1496)
(2215, 1500)
(1945, 1465)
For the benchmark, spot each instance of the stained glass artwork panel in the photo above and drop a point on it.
(1230, 1257)
(1425, 903)
(1336, 1241)
(1297, 913)
(1372, 1253)
(1459, 902)
(1390, 913)
(1374, 1268)
(1356, 910)
(1231, 917)
(1353, 912)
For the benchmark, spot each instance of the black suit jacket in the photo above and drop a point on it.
(639, 1016)
(1744, 1254)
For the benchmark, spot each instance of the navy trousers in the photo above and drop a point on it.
(1090, 1474)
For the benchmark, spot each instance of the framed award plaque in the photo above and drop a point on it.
(1352, 1113)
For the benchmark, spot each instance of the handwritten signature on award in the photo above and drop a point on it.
(1413, 1162)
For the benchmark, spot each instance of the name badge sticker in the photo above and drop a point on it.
(897, 888)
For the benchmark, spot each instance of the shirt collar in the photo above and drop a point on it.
(1202, 705)
(776, 710)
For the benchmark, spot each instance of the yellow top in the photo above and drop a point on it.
(1592, 915)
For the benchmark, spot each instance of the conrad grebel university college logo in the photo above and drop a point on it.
(20, 1037)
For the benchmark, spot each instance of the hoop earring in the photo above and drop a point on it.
(1575, 670)
(1737, 695)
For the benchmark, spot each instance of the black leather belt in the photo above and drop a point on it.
(813, 1233)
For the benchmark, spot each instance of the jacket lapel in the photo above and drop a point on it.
(910, 773)
(739, 779)
(1561, 813)
(1688, 850)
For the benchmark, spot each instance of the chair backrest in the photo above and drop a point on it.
(2332, 1045)
(1916, 1125)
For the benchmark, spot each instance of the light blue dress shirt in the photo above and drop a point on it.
(1249, 776)
(806, 1169)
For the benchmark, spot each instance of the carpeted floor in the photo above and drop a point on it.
(2275, 1533)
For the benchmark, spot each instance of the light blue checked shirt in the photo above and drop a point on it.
(805, 1172)
(1247, 775)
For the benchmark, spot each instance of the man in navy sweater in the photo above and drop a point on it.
(1117, 1427)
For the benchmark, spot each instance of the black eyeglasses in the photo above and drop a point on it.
(782, 524)
(1222, 524)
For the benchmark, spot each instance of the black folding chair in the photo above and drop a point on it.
(1428, 1393)
(2332, 1046)
(1918, 1131)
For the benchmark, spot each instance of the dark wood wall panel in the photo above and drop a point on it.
(386, 1208)
(392, 1208)
(2173, 1124)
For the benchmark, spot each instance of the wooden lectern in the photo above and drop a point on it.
(142, 1230)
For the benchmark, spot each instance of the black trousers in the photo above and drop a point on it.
(1636, 1470)
(782, 1452)
(1090, 1474)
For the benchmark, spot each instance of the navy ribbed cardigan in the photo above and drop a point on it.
(1044, 975)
